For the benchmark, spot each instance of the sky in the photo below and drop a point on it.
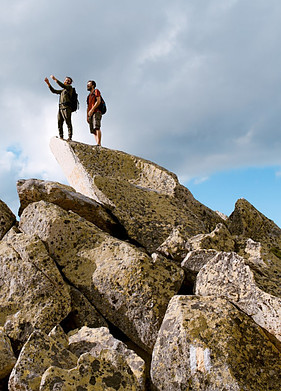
(192, 85)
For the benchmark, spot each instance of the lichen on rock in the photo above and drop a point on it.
(206, 343)
(7, 219)
(33, 294)
(129, 288)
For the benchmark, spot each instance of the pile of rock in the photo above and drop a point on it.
(126, 282)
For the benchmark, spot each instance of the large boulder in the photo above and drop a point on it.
(7, 219)
(129, 288)
(33, 294)
(206, 343)
(7, 356)
(248, 222)
(97, 340)
(107, 371)
(38, 354)
(33, 190)
(146, 198)
(227, 275)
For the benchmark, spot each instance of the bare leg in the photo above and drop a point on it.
(98, 136)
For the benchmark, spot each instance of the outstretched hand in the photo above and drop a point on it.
(47, 81)
(53, 77)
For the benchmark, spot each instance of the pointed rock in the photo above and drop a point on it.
(33, 190)
(205, 343)
(7, 219)
(246, 222)
(129, 288)
(131, 187)
(58, 334)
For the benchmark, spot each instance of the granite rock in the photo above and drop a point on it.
(7, 219)
(95, 341)
(227, 275)
(107, 371)
(129, 288)
(130, 186)
(38, 354)
(7, 356)
(33, 294)
(33, 190)
(246, 222)
(207, 344)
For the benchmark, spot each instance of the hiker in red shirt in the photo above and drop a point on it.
(93, 113)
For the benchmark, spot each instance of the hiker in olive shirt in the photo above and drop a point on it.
(65, 111)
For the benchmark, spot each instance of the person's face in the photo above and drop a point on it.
(67, 81)
(89, 86)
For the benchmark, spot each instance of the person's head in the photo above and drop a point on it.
(91, 85)
(67, 80)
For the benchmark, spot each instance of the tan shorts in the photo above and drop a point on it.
(95, 122)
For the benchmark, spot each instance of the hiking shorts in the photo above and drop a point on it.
(95, 122)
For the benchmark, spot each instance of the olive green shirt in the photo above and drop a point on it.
(65, 94)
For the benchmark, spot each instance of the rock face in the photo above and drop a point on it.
(7, 357)
(7, 219)
(33, 294)
(97, 341)
(33, 190)
(246, 222)
(130, 186)
(106, 372)
(132, 284)
(102, 268)
(207, 344)
(227, 275)
(38, 354)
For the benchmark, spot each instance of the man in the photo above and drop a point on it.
(64, 113)
(93, 113)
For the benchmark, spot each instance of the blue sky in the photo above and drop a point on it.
(260, 186)
(193, 85)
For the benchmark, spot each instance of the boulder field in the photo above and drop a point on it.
(124, 281)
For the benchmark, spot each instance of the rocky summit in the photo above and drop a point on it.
(124, 281)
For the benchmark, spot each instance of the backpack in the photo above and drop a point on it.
(102, 106)
(74, 103)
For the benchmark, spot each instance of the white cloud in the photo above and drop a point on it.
(188, 85)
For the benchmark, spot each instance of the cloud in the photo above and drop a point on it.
(193, 86)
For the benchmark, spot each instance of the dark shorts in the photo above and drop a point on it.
(95, 122)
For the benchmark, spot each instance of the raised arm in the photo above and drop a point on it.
(61, 84)
(51, 88)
